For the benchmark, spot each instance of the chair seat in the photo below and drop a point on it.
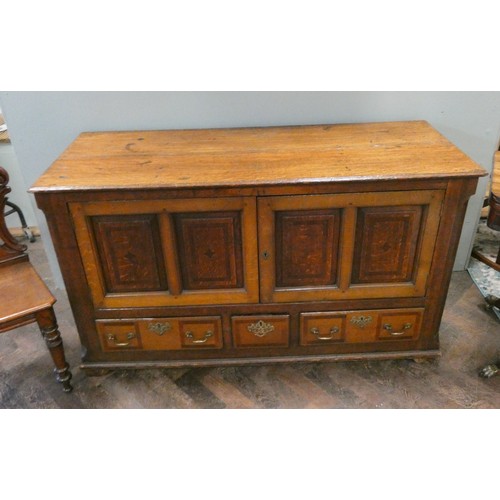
(22, 292)
(24, 298)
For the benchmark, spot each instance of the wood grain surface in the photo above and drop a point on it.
(255, 156)
(23, 292)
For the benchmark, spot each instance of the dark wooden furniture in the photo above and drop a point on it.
(493, 202)
(233, 246)
(25, 298)
(493, 222)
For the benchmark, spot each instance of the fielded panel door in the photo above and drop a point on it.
(347, 246)
(169, 252)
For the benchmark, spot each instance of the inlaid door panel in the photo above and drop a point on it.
(169, 252)
(386, 244)
(130, 252)
(307, 243)
(209, 248)
(347, 246)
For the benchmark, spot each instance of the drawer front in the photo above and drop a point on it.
(360, 326)
(162, 334)
(391, 324)
(399, 325)
(322, 328)
(196, 333)
(119, 335)
(261, 331)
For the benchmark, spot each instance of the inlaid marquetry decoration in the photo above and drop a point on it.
(210, 250)
(169, 252)
(307, 247)
(130, 253)
(387, 241)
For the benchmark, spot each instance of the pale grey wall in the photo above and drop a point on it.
(18, 194)
(42, 124)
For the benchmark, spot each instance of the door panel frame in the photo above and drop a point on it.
(175, 295)
(348, 203)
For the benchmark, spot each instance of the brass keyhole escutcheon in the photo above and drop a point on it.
(260, 328)
(159, 328)
(265, 255)
(361, 321)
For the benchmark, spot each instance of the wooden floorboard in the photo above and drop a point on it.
(470, 338)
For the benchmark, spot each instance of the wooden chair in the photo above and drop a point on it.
(494, 213)
(494, 223)
(24, 296)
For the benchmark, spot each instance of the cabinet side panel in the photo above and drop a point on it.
(450, 227)
(63, 236)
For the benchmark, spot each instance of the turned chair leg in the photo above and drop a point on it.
(47, 323)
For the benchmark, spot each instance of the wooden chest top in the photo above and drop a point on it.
(255, 157)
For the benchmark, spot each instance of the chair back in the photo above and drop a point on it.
(11, 251)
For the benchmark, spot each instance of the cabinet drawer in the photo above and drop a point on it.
(322, 328)
(360, 326)
(119, 335)
(200, 332)
(399, 325)
(261, 331)
(389, 324)
(162, 333)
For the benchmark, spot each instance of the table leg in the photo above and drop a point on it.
(47, 323)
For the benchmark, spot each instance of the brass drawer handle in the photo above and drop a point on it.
(260, 329)
(333, 331)
(159, 328)
(112, 338)
(190, 335)
(388, 327)
(361, 321)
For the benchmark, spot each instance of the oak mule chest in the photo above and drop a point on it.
(256, 245)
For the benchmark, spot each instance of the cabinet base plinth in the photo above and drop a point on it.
(92, 367)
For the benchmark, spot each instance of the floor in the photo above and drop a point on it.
(470, 338)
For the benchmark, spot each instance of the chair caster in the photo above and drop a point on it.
(491, 302)
(489, 371)
(29, 234)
